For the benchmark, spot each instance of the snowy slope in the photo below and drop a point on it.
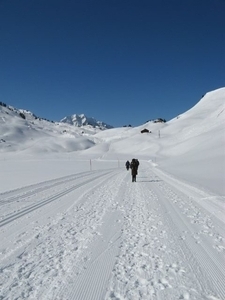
(33, 134)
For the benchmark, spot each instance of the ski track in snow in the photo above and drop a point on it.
(96, 235)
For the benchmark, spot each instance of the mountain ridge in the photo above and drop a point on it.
(82, 120)
(22, 130)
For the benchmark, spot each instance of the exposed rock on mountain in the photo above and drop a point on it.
(82, 120)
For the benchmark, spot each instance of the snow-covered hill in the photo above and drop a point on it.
(22, 130)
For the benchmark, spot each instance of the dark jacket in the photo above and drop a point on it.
(134, 167)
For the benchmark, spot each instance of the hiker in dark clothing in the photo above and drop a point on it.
(137, 162)
(127, 164)
(134, 168)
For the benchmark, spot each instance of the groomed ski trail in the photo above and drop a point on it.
(100, 236)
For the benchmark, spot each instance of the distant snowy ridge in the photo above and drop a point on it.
(75, 119)
(23, 113)
(21, 130)
(82, 120)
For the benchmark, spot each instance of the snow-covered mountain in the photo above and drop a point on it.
(21, 129)
(82, 120)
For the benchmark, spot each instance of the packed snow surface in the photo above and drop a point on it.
(74, 227)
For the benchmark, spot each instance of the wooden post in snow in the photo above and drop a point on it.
(90, 165)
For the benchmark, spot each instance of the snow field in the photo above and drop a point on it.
(96, 235)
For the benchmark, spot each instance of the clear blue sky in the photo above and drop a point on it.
(119, 61)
